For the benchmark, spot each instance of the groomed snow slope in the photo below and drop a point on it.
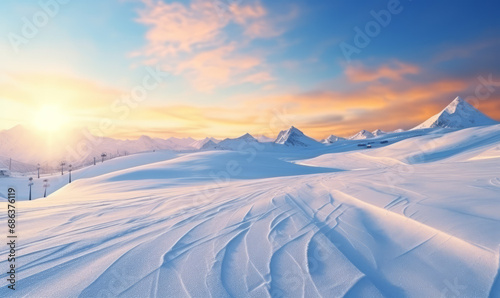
(195, 226)
(56, 181)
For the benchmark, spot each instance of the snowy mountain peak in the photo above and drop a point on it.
(294, 137)
(378, 132)
(458, 114)
(457, 103)
(331, 139)
(364, 134)
(231, 144)
(17, 131)
(145, 138)
(208, 145)
(247, 137)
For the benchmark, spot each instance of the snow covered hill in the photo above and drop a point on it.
(58, 181)
(419, 217)
(295, 137)
(415, 214)
(458, 114)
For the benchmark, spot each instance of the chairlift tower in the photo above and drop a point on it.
(45, 185)
(30, 184)
(62, 167)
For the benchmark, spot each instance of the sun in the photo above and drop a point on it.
(50, 119)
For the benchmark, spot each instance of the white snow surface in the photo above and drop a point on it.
(418, 216)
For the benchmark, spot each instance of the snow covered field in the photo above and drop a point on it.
(417, 217)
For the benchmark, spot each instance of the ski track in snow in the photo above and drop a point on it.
(320, 234)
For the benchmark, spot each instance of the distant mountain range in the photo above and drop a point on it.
(27, 148)
(230, 144)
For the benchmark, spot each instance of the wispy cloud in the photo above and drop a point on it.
(221, 66)
(461, 51)
(192, 41)
(175, 28)
(257, 21)
(357, 72)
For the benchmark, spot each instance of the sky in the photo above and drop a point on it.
(221, 68)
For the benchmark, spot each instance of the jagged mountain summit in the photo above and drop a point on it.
(200, 143)
(362, 135)
(295, 137)
(208, 145)
(231, 144)
(458, 114)
(378, 133)
(332, 139)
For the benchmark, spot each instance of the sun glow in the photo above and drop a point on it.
(50, 119)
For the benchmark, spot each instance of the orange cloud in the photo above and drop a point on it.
(176, 28)
(242, 13)
(194, 121)
(217, 67)
(258, 78)
(256, 21)
(394, 71)
(204, 55)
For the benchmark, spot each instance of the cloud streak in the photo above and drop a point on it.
(192, 41)
(395, 71)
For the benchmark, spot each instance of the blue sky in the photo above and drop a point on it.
(232, 67)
